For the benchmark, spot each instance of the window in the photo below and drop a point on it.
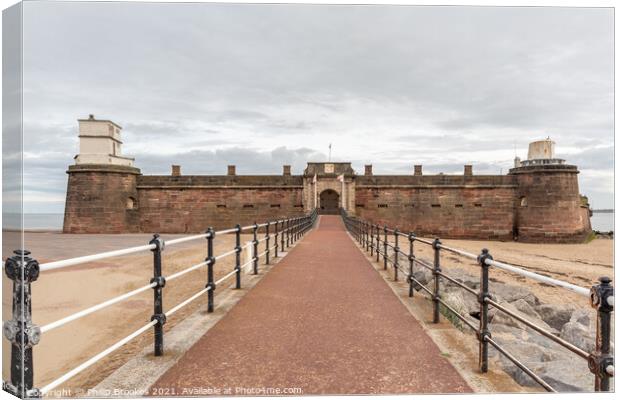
(382, 205)
(477, 204)
(435, 205)
(360, 205)
(130, 203)
(275, 206)
(221, 206)
(523, 201)
(458, 205)
(248, 206)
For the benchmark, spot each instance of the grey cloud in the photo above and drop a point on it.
(250, 162)
(210, 84)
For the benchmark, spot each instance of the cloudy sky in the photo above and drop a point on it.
(206, 85)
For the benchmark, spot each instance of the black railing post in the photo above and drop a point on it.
(411, 238)
(368, 236)
(238, 256)
(436, 271)
(385, 247)
(601, 361)
(360, 234)
(288, 233)
(211, 263)
(158, 301)
(483, 295)
(255, 248)
(267, 251)
(20, 331)
(396, 250)
(378, 241)
(372, 240)
(282, 237)
(275, 239)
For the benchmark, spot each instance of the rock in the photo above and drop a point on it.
(579, 335)
(499, 317)
(423, 275)
(562, 370)
(463, 303)
(571, 376)
(463, 277)
(554, 315)
(521, 377)
(584, 316)
(510, 293)
(525, 308)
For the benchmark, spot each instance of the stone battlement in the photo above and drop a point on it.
(533, 202)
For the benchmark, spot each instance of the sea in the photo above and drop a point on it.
(603, 222)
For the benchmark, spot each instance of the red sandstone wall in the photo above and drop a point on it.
(97, 200)
(480, 213)
(195, 209)
(552, 210)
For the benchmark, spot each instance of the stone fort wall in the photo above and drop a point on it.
(529, 204)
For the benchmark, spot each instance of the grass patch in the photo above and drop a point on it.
(591, 236)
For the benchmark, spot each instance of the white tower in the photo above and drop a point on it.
(100, 143)
(541, 152)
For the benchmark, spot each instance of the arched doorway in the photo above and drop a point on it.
(329, 202)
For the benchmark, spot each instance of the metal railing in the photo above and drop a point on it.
(23, 270)
(374, 239)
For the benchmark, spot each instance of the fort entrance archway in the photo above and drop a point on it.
(329, 202)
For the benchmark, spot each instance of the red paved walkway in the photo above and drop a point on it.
(322, 320)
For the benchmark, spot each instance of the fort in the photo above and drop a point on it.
(537, 201)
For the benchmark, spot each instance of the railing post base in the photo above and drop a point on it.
(601, 360)
(20, 331)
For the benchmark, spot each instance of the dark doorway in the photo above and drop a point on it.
(330, 202)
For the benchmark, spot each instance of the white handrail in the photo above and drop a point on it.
(96, 358)
(186, 302)
(186, 270)
(130, 250)
(94, 308)
(93, 257)
(541, 278)
(185, 239)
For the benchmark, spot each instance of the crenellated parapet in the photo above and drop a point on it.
(538, 200)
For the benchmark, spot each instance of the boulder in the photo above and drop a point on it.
(571, 376)
(463, 303)
(525, 308)
(555, 315)
(499, 317)
(579, 335)
(585, 317)
(463, 277)
(510, 293)
(422, 275)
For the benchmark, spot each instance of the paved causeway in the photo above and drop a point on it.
(322, 320)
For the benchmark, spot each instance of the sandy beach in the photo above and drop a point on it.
(59, 293)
